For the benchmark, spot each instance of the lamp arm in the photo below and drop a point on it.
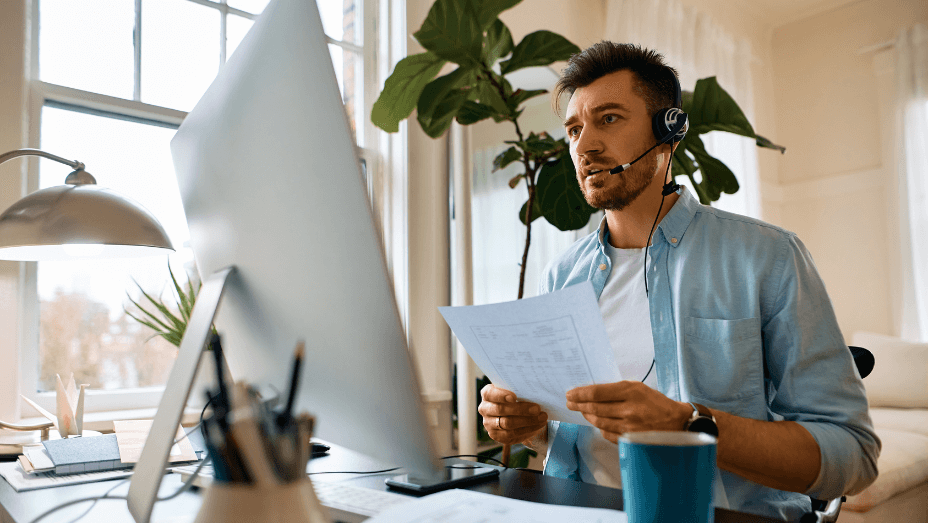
(74, 164)
(37, 426)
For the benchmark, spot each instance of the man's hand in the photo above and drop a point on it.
(627, 406)
(508, 420)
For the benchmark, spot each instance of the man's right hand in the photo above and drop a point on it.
(508, 420)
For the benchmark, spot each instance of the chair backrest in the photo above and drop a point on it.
(863, 359)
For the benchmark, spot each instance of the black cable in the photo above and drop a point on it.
(649, 371)
(478, 456)
(648, 244)
(355, 472)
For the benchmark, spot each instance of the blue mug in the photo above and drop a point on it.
(668, 476)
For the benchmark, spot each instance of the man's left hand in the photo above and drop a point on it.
(627, 406)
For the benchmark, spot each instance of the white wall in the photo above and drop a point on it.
(836, 180)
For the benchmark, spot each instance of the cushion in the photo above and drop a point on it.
(908, 420)
(900, 375)
(903, 464)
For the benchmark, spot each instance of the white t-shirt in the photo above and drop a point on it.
(624, 306)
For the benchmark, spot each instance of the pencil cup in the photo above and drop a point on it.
(294, 502)
(668, 476)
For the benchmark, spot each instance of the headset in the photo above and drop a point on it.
(668, 125)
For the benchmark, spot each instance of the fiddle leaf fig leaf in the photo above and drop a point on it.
(487, 94)
(561, 200)
(539, 48)
(764, 142)
(473, 112)
(514, 181)
(519, 96)
(441, 99)
(505, 158)
(536, 211)
(713, 109)
(497, 43)
(716, 176)
(402, 89)
(489, 10)
(452, 31)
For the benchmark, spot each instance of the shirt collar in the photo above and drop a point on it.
(674, 224)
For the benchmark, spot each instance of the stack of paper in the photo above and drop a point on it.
(78, 455)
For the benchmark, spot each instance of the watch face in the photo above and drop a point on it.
(704, 425)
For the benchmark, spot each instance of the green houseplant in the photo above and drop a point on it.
(469, 35)
(164, 321)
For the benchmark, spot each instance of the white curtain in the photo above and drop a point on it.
(911, 50)
(697, 48)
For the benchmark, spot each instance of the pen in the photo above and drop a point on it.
(294, 384)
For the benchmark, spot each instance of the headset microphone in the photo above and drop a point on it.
(680, 120)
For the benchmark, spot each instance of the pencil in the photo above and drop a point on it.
(294, 379)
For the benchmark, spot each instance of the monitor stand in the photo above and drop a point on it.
(146, 477)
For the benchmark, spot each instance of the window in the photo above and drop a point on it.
(113, 100)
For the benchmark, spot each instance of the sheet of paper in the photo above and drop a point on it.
(467, 506)
(541, 347)
(131, 435)
(13, 473)
(38, 456)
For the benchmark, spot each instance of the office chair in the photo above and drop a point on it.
(827, 511)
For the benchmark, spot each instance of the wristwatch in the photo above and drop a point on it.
(701, 421)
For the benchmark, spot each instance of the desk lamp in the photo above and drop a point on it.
(76, 220)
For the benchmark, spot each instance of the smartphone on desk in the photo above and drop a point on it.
(453, 477)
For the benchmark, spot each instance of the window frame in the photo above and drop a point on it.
(376, 154)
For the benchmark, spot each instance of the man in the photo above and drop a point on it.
(735, 319)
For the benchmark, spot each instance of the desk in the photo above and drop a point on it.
(23, 507)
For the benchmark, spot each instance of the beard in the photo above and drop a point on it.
(614, 192)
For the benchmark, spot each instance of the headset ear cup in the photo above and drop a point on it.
(664, 122)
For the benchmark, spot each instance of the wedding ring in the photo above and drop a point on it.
(498, 426)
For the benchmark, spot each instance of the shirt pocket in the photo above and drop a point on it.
(722, 359)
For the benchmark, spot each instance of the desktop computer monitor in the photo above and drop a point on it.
(271, 184)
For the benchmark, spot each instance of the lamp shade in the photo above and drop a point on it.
(65, 222)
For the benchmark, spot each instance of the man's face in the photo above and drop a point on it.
(607, 124)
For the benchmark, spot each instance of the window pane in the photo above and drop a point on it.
(87, 44)
(82, 326)
(340, 20)
(254, 7)
(349, 73)
(180, 52)
(236, 29)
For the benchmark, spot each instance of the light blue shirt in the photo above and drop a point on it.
(742, 324)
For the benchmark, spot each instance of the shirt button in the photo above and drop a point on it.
(602, 266)
(673, 240)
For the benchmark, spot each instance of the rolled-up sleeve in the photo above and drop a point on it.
(812, 378)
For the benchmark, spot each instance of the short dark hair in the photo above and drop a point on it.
(652, 74)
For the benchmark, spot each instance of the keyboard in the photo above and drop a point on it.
(346, 503)
(353, 504)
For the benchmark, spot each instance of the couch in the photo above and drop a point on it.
(897, 391)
